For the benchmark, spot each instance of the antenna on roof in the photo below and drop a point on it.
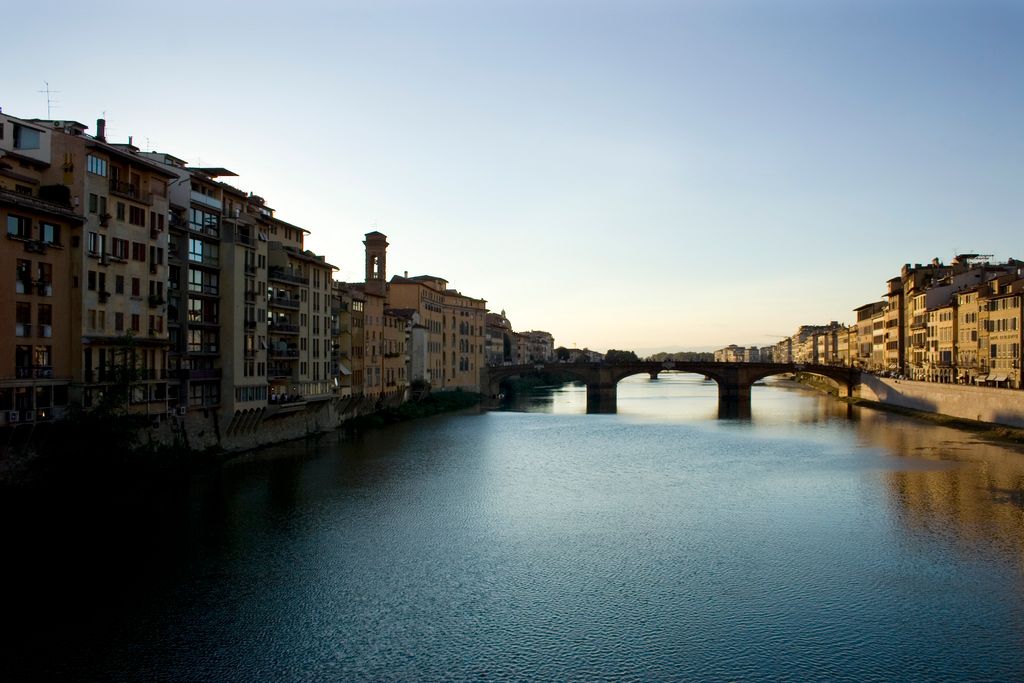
(49, 100)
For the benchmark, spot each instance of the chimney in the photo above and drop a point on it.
(130, 141)
(101, 130)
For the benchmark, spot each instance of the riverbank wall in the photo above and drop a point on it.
(247, 430)
(982, 404)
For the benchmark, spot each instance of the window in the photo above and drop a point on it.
(95, 165)
(135, 322)
(136, 216)
(19, 226)
(91, 279)
(202, 252)
(120, 211)
(41, 356)
(94, 203)
(44, 313)
(119, 284)
(25, 138)
(49, 233)
(23, 277)
(119, 248)
(136, 286)
(23, 319)
(119, 322)
(44, 277)
(204, 222)
(139, 251)
(201, 281)
(97, 243)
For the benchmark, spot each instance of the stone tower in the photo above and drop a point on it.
(376, 263)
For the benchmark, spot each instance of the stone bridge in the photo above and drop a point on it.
(734, 379)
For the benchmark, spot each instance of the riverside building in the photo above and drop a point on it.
(41, 222)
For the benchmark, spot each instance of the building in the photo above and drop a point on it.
(863, 355)
(540, 346)
(455, 326)
(119, 269)
(500, 344)
(42, 223)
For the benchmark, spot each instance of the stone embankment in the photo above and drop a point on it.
(982, 404)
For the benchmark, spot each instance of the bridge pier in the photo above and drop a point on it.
(601, 398)
(734, 394)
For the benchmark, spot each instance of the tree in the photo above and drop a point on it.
(617, 356)
(562, 353)
(123, 373)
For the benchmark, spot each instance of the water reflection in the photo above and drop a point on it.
(948, 482)
(938, 479)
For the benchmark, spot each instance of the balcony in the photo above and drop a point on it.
(202, 349)
(129, 191)
(151, 374)
(281, 275)
(206, 200)
(156, 300)
(283, 353)
(199, 373)
(286, 328)
(250, 324)
(208, 261)
(34, 372)
(279, 372)
(209, 290)
(250, 269)
(250, 296)
(284, 302)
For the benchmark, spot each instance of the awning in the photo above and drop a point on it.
(980, 378)
(997, 377)
(344, 370)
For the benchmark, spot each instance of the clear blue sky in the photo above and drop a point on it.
(630, 175)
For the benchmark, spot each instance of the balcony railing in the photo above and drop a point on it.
(34, 371)
(206, 200)
(283, 353)
(282, 275)
(130, 191)
(212, 290)
(208, 261)
(283, 327)
(279, 371)
(250, 296)
(284, 302)
(199, 373)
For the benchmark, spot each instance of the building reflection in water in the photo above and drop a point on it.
(949, 482)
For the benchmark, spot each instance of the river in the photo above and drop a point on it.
(811, 541)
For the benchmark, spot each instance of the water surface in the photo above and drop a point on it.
(810, 542)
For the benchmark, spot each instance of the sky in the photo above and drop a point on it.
(635, 175)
